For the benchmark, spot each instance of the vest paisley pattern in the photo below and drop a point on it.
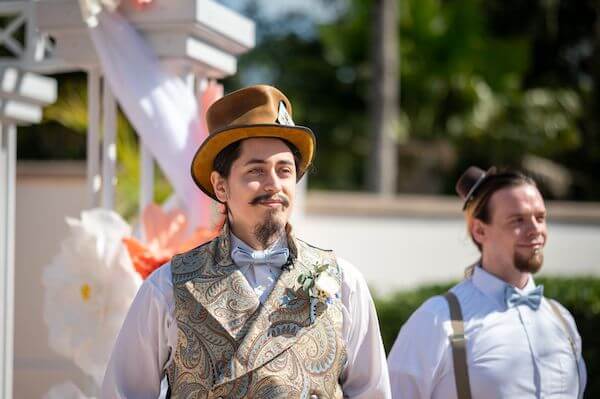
(231, 346)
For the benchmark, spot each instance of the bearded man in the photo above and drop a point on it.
(255, 313)
(494, 335)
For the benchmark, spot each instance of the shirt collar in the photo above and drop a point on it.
(494, 287)
(236, 242)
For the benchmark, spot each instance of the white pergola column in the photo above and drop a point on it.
(21, 97)
(8, 155)
(94, 180)
(146, 177)
(109, 146)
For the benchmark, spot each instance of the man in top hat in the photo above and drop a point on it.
(494, 335)
(255, 313)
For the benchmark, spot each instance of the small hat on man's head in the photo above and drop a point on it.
(255, 111)
(470, 181)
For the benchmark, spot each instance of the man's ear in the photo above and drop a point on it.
(478, 231)
(219, 186)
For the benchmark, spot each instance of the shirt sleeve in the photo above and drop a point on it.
(137, 363)
(365, 375)
(415, 361)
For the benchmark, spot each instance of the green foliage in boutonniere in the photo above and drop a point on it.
(319, 284)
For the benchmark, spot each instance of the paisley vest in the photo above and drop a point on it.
(232, 346)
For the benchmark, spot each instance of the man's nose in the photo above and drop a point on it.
(536, 227)
(272, 182)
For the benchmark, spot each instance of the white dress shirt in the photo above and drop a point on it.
(512, 352)
(147, 340)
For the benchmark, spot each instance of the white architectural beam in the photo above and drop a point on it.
(213, 62)
(191, 51)
(16, 112)
(205, 19)
(18, 85)
(18, 15)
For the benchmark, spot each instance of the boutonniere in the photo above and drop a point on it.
(320, 286)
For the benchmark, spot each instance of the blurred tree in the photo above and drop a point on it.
(383, 159)
(483, 82)
(470, 76)
(566, 53)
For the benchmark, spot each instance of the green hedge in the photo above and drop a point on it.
(580, 295)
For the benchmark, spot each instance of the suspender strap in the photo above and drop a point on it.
(459, 348)
(567, 330)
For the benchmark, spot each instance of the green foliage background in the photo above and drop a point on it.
(482, 82)
(581, 296)
(492, 80)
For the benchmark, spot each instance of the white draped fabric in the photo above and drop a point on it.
(160, 105)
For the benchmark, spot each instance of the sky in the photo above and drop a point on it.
(316, 11)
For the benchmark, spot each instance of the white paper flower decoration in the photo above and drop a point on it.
(89, 287)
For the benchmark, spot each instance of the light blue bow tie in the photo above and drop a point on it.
(269, 257)
(533, 298)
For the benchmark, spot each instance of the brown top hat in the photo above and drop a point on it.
(470, 181)
(255, 111)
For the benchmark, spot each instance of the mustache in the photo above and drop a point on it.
(268, 197)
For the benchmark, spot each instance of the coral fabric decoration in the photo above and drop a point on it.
(165, 235)
(210, 93)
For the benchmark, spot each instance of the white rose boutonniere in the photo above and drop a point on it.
(320, 286)
(326, 287)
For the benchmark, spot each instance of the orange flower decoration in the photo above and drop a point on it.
(165, 235)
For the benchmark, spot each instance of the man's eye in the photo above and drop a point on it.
(256, 171)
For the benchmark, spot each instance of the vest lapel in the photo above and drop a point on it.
(222, 289)
(275, 326)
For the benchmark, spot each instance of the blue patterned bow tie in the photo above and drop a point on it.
(269, 257)
(533, 298)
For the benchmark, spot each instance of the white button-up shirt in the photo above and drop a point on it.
(147, 340)
(513, 352)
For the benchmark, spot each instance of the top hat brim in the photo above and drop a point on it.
(202, 164)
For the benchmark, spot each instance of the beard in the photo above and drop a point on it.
(271, 228)
(529, 263)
